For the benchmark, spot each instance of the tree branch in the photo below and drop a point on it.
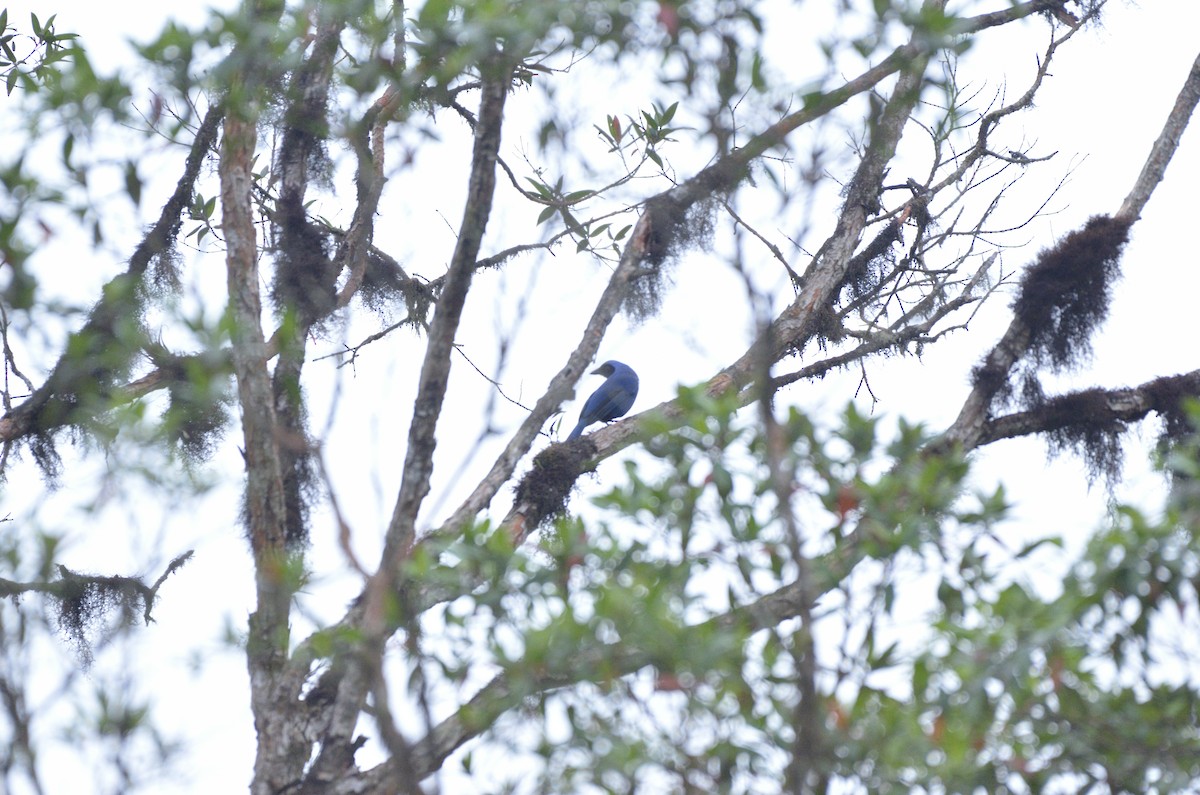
(993, 372)
(369, 181)
(1096, 407)
(305, 276)
(33, 414)
(596, 664)
(71, 583)
(1164, 147)
(669, 207)
(266, 514)
(435, 371)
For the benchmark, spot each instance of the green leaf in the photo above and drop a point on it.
(572, 223)
(1030, 548)
(757, 79)
(133, 183)
(541, 189)
(57, 55)
(614, 128)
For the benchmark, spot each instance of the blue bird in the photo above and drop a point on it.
(612, 399)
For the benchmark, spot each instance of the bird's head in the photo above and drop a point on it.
(607, 369)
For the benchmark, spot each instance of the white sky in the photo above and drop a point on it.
(1109, 95)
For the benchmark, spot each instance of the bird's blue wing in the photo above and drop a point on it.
(611, 400)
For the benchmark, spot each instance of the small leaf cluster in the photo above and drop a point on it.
(46, 47)
(650, 130)
(641, 138)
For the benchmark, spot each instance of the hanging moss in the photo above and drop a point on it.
(1168, 396)
(868, 268)
(1063, 298)
(1083, 423)
(385, 283)
(1065, 294)
(547, 485)
(673, 228)
(305, 277)
(196, 420)
(83, 601)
